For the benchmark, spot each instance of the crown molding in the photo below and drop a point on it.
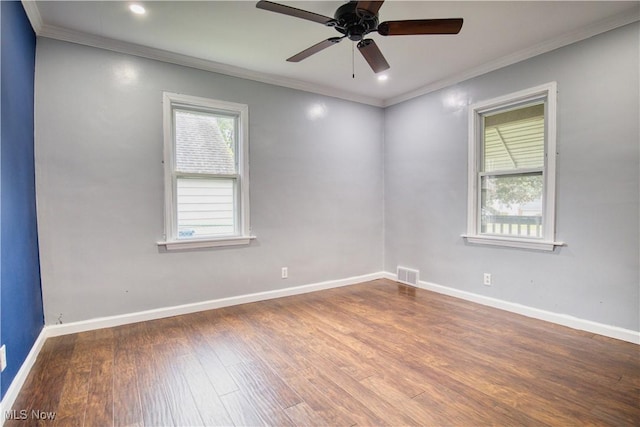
(33, 14)
(63, 34)
(544, 47)
(106, 43)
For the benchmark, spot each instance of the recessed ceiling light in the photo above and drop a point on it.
(382, 77)
(137, 9)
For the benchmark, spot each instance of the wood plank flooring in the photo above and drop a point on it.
(376, 353)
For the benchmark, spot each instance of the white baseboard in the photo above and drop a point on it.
(106, 322)
(18, 381)
(557, 318)
(123, 319)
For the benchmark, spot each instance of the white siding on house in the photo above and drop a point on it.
(205, 207)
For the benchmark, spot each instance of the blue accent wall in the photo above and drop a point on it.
(21, 314)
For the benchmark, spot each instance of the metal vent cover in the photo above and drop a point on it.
(408, 276)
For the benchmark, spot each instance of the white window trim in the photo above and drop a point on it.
(244, 237)
(546, 91)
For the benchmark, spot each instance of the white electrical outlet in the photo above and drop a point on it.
(285, 272)
(3, 357)
(487, 279)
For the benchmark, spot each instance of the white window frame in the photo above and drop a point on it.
(243, 235)
(547, 93)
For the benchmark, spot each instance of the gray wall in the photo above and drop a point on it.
(596, 275)
(317, 191)
(316, 187)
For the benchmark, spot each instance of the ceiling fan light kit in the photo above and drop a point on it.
(355, 20)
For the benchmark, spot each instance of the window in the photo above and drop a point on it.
(206, 172)
(512, 149)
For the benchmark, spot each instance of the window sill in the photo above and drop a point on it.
(177, 245)
(511, 242)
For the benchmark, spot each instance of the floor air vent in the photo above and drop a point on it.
(408, 276)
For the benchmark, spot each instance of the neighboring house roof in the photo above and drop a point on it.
(200, 147)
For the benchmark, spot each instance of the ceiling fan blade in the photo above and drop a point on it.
(420, 26)
(369, 49)
(292, 11)
(370, 6)
(314, 49)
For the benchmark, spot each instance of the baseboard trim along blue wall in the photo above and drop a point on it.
(21, 313)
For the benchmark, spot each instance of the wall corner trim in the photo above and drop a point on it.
(535, 313)
(20, 378)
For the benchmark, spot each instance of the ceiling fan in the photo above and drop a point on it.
(355, 20)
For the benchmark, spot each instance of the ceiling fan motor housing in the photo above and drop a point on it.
(354, 23)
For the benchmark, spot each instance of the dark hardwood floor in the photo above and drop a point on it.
(370, 354)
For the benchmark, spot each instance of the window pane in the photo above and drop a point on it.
(512, 205)
(514, 139)
(205, 207)
(205, 143)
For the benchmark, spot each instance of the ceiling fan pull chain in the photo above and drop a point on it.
(353, 62)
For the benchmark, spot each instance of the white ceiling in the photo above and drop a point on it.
(235, 38)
